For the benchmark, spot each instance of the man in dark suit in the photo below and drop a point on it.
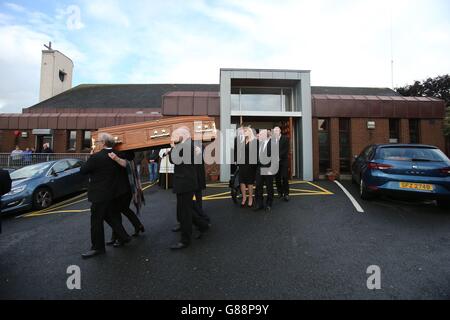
(123, 196)
(46, 148)
(263, 174)
(282, 178)
(5, 187)
(103, 178)
(185, 183)
(201, 179)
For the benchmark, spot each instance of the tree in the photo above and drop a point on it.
(438, 87)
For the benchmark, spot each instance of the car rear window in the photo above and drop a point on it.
(411, 154)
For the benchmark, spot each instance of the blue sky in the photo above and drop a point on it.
(344, 43)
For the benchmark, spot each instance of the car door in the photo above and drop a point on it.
(361, 162)
(80, 181)
(61, 179)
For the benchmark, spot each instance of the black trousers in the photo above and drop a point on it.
(282, 179)
(198, 205)
(122, 203)
(102, 211)
(187, 216)
(260, 182)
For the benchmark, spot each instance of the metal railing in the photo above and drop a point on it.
(19, 160)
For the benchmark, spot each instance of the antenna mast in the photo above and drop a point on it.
(392, 54)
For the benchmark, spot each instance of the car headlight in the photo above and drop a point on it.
(16, 190)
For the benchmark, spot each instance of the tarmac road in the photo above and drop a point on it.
(317, 246)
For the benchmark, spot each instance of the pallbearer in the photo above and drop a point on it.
(185, 183)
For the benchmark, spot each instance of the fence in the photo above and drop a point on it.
(19, 160)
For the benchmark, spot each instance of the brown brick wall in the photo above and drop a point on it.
(334, 143)
(362, 137)
(8, 140)
(431, 132)
(404, 131)
(315, 137)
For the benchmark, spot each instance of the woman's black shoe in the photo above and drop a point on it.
(139, 230)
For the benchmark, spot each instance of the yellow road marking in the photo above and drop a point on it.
(303, 190)
(149, 186)
(320, 188)
(291, 195)
(60, 204)
(53, 212)
(216, 195)
(64, 204)
(294, 191)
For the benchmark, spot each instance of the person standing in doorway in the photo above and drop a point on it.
(46, 148)
(282, 178)
(247, 166)
(263, 175)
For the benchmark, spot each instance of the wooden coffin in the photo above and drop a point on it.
(157, 132)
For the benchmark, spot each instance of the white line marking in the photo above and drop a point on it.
(353, 200)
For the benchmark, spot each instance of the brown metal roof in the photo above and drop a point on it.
(70, 120)
(191, 103)
(325, 105)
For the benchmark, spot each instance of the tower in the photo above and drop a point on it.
(56, 73)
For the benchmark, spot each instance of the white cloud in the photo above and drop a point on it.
(14, 7)
(107, 12)
(345, 43)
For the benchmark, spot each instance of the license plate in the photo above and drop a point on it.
(416, 186)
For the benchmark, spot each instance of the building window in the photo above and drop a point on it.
(414, 131)
(345, 154)
(324, 145)
(87, 143)
(394, 130)
(72, 140)
(287, 98)
(235, 99)
(62, 75)
(261, 99)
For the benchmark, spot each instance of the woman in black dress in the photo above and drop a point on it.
(247, 168)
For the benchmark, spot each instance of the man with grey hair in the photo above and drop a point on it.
(103, 174)
(185, 183)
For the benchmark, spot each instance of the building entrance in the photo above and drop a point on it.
(287, 126)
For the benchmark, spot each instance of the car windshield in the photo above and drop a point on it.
(411, 154)
(30, 171)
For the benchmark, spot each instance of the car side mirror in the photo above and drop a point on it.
(53, 173)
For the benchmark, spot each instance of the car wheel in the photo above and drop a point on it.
(363, 192)
(42, 198)
(444, 204)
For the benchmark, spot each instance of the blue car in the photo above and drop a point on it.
(414, 170)
(38, 185)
